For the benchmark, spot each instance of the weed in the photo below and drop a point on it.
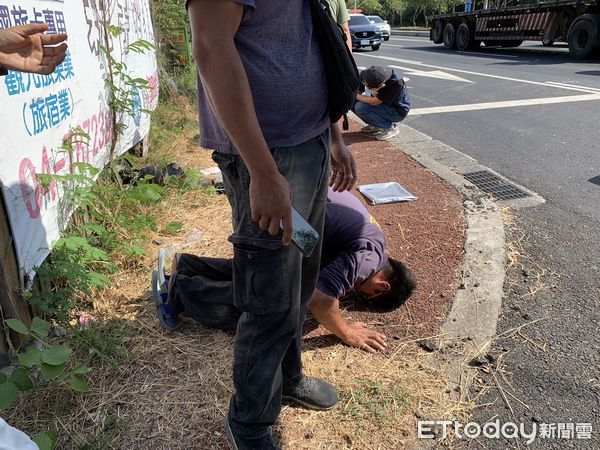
(46, 440)
(75, 268)
(103, 342)
(52, 363)
(112, 426)
(182, 81)
(376, 402)
(170, 120)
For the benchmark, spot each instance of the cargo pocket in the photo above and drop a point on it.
(260, 275)
(227, 166)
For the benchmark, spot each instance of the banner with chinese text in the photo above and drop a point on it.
(38, 111)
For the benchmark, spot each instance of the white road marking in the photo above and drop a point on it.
(505, 104)
(432, 74)
(588, 88)
(479, 74)
(393, 45)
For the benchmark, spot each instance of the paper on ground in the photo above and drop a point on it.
(380, 193)
(210, 171)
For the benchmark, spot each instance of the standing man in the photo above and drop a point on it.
(261, 85)
(339, 11)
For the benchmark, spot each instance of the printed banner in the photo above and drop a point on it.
(37, 111)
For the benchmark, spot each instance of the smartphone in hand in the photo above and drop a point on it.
(304, 236)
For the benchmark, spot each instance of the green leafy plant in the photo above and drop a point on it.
(123, 89)
(74, 269)
(173, 227)
(52, 361)
(112, 426)
(377, 402)
(46, 440)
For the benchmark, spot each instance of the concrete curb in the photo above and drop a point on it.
(471, 321)
(421, 33)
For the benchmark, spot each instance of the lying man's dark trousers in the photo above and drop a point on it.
(203, 289)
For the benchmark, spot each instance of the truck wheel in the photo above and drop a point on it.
(437, 32)
(582, 39)
(449, 36)
(511, 44)
(465, 37)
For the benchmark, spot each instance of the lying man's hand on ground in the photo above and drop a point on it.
(326, 310)
(359, 336)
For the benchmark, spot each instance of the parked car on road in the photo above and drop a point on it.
(363, 32)
(383, 26)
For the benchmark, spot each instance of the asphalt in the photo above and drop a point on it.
(547, 358)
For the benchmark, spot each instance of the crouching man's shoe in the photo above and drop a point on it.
(239, 443)
(312, 393)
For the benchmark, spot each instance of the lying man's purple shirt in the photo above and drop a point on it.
(353, 245)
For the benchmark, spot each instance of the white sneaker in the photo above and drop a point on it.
(371, 129)
(387, 133)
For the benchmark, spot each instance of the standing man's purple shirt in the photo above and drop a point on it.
(274, 59)
(353, 245)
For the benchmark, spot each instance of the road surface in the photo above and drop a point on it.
(533, 115)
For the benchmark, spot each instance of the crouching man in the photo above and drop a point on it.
(383, 103)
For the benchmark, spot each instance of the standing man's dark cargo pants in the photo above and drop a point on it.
(272, 284)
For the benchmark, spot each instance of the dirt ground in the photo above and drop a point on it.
(173, 390)
(427, 235)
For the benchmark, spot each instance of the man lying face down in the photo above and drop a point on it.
(353, 258)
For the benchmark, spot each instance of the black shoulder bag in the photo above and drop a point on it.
(342, 75)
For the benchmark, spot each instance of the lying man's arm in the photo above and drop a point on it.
(214, 26)
(326, 310)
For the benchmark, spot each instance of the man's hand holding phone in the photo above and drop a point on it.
(304, 236)
(271, 204)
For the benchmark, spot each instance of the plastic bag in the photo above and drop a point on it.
(380, 193)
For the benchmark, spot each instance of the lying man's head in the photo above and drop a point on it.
(391, 286)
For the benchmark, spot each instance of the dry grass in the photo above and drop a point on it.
(382, 398)
(173, 390)
(517, 261)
